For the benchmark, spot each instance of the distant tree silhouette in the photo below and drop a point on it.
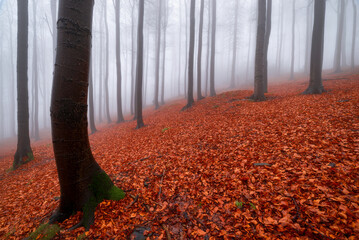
(24, 151)
(212, 91)
(316, 62)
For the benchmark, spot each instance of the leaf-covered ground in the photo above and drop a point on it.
(227, 168)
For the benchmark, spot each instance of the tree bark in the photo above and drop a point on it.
(83, 183)
(133, 58)
(354, 34)
(234, 59)
(190, 99)
(266, 43)
(213, 48)
(53, 4)
(24, 151)
(158, 51)
(120, 117)
(35, 76)
(316, 63)
(139, 66)
(165, 22)
(293, 43)
(258, 94)
(199, 57)
(208, 48)
(91, 101)
(309, 26)
(338, 46)
(107, 103)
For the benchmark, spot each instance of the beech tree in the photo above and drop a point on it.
(199, 57)
(35, 77)
(24, 151)
(338, 45)
(83, 183)
(158, 51)
(354, 33)
(234, 59)
(212, 91)
(293, 42)
(139, 66)
(266, 43)
(190, 99)
(258, 94)
(316, 61)
(120, 117)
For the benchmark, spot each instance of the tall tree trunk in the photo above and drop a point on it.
(83, 183)
(309, 27)
(158, 51)
(199, 57)
(91, 101)
(35, 76)
(208, 47)
(13, 81)
(53, 4)
(354, 34)
(344, 40)
(266, 43)
(293, 43)
(316, 63)
(133, 58)
(2, 114)
(258, 94)
(186, 47)
(107, 103)
(120, 117)
(139, 66)
(100, 82)
(24, 151)
(213, 48)
(190, 99)
(338, 46)
(234, 59)
(279, 59)
(180, 49)
(165, 22)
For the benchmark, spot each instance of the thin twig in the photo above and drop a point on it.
(159, 192)
(321, 234)
(297, 215)
(133, 202)
(168, 235)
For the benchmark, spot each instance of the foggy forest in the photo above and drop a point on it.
(179, 119)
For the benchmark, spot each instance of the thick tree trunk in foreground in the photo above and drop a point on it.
(212, 91)
(83, 183)
(24, 151)
(266, 43)
(199, 57)
(120, 117)
(190, 99)
(316, 62)
(258, 94)
(338, 47)
(139, 66)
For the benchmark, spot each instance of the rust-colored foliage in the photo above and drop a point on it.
(227, 168)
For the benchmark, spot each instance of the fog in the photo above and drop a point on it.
(175, 75)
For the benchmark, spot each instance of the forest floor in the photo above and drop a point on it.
(227, 168)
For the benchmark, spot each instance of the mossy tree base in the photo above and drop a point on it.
(22, 157)
(101, 188)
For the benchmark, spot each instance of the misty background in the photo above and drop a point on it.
(176, 24)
